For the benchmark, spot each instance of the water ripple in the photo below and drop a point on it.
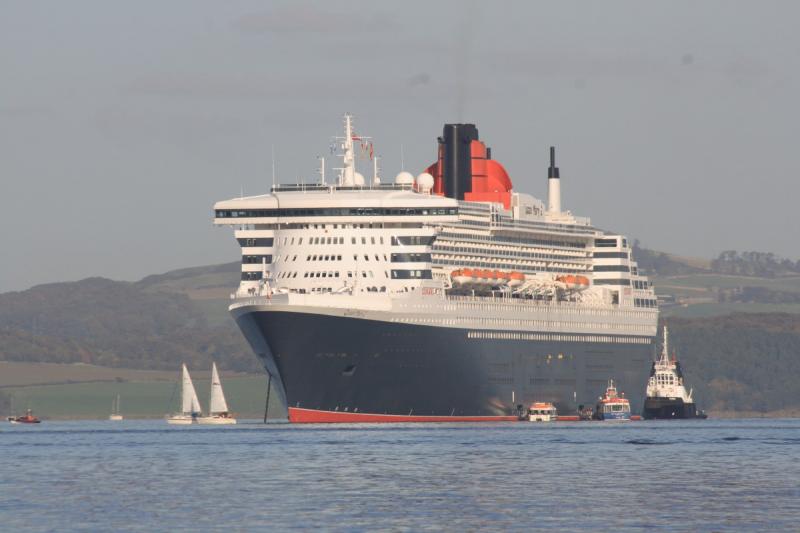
(683, 476)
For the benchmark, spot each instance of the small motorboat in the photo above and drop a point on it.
(613, 406)
(27, 418)
(542, 412)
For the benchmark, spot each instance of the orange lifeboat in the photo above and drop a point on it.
(574, 282)
(515, 279)
(486, 278)
(462, 276)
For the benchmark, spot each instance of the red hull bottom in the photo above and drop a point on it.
(299, 415)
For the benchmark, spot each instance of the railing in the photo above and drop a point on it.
(302, 187)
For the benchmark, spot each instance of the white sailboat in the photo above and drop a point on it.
(190, 405)
(115, 414)
(217, 406)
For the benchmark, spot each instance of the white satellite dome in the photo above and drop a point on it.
(358, 179)
(404, 178)
(425, 182)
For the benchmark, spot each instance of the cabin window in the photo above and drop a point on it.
(605, 243)
(266, 242)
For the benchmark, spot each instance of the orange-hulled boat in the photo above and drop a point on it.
(27, 418)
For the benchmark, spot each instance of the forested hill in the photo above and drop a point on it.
(734, 362)
(120, 324)
(742, 361)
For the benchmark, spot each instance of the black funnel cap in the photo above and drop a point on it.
(552, 172)
(457, 176)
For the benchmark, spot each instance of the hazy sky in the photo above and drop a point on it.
(122, 122)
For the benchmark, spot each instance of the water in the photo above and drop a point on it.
(144, 475)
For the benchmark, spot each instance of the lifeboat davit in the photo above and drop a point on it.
(574, 282)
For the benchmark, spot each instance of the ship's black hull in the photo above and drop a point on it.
(369, 366)
(669, 409)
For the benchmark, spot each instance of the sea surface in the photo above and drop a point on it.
(713, 475)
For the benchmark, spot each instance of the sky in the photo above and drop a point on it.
(121, 123)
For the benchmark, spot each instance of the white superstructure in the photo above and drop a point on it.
(376, 239)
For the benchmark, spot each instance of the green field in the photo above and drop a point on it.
(700, 293)
(707, 281)
(246, 396)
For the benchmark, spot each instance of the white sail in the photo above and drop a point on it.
(217, 403)
(189, 402)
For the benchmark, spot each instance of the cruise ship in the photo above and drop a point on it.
(446, 296)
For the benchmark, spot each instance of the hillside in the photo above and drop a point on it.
(742, 361)
(120, 324)
(735, 282)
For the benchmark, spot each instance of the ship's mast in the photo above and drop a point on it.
(348, 158)
(665, 349)
(321, 170)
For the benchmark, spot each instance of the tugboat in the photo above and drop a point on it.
(612, 406)
(27, 418)
(666, 396)
(542, 412)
